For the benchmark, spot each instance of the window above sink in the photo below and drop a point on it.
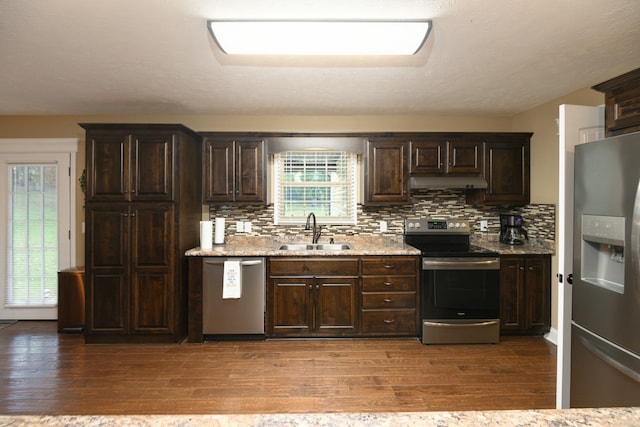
(320, 181)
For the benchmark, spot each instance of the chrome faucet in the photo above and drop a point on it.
(317, 231)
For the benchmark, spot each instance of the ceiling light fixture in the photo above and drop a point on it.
(319, 37)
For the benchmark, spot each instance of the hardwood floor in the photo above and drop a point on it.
(43, 372)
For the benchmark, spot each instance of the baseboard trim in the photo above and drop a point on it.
(552, 336)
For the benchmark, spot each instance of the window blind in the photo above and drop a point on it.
(32, 239)
(322, 182)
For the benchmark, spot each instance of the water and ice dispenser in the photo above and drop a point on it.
(603, 244)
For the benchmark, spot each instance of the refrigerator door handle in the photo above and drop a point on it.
(602, 354)
(635, 242)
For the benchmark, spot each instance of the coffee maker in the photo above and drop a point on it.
(511, 230)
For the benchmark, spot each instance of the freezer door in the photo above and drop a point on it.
(602, 374)
(606, 265)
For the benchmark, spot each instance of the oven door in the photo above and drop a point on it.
(460, 299)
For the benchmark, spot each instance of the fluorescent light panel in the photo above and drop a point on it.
(319, 37)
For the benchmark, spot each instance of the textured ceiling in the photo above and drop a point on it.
(492, 57)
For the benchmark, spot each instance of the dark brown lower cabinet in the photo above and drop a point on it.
(342, 296)
(389, 304)
(525, 294)
(132, 294)
(312, 297)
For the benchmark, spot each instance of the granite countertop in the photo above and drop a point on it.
(268, 246)
(362, 245)
(530, 247)
(604, 417)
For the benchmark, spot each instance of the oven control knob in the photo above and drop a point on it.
(464, 225)
(417, 225)
(456, 225)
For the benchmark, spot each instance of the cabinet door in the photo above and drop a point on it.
(126, 167)
(152, 275)
(108, 166)
(537, 294)
(428, 157)
(512, 271)
(107, 261)
(291, 306)
(152, 167)
(335, 307)
(387, 172)
(250, 171)
(219, 171)
(506, 169)
(622, 103)
(464, 157)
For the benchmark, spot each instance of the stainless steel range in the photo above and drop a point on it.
(460, 300)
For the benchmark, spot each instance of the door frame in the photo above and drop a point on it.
(576, 126)
(43, 147)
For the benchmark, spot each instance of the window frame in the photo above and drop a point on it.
(353, 181)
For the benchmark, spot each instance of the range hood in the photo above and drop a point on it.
(436, 182)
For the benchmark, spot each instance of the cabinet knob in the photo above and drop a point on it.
(389, 321)
(389, 266)
(521, 268)
(317, 286)
(388, 283)
(389, 300)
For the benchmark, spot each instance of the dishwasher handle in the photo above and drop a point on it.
(242, 263)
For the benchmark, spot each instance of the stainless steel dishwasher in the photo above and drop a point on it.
(241, 318)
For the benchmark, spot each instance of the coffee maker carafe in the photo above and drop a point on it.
(511, 230)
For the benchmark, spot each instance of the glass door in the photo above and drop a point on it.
(34, 214)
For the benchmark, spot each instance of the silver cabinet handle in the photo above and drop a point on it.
(242, 263)
(252, 262)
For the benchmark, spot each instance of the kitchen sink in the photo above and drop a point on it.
(314, 247)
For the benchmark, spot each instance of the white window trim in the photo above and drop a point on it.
(353, 217)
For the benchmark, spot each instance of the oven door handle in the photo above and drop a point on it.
(453, 263)
(472, 323)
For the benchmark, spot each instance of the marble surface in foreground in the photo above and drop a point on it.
(605, 417)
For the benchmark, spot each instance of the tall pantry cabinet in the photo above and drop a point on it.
(143, 207)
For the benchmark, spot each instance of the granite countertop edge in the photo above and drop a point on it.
(268, 247)
(604, 417)
(246, 246)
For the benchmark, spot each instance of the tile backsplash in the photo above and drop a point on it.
(539, 219)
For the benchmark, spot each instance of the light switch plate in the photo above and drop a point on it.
(247, 227)
(484, 225)
(383, 226)
(239, 227)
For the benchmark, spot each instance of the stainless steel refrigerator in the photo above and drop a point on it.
(605, 327)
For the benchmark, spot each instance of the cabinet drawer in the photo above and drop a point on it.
(388, 300)
(389, 321)
(389, 265)
(388, 283)
(313, 267)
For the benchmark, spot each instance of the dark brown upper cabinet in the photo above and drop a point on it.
(387, 171)
(442, 155)
(622, 103)
(234, 170)
(506, 169)
(130, 165)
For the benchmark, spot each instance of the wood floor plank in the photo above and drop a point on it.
(43, 372)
